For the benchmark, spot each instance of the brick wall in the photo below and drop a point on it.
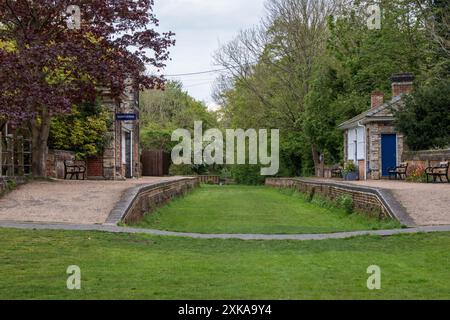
(95, 167)
(147, 201)
(364, 202)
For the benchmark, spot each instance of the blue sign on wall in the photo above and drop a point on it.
(126, 116)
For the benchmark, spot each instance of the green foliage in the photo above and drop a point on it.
(350, 166)
(247, 174)
(84, 131)
(425, 118)
(173, 108)
(157, 139)
(163, 111)
(346, 203)
(311, 87)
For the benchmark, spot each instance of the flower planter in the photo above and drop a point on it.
(351, 176)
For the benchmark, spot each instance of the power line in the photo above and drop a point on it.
(196, 73)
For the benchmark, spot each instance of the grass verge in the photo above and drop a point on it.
(122, 266)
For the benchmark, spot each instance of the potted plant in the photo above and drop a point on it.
(351, 172)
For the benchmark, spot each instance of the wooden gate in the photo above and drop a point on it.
(155, 163)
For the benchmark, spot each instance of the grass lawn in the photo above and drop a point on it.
(240, 209)
(120, 266)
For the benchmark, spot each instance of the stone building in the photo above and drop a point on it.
(121, 159)
(370, 139)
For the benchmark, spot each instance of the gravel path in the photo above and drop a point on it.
(79, 202)
(426, 204)
(246, 237)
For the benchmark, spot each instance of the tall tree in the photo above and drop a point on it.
(50, 66)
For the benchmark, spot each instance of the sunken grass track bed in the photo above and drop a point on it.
(122, 266)
(256, 210)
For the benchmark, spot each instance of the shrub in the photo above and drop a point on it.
(247, 174)
(350, 167)
(346, 203)
(417, 173)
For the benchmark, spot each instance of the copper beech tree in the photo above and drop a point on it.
(50, 62)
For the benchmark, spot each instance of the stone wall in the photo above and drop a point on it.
(138, 202)
(374, 133)
(426, 158)
(364, 200)
(55, 163)
(112, 157)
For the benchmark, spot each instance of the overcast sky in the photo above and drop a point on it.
(200, 26)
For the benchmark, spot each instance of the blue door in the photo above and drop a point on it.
(388, 153)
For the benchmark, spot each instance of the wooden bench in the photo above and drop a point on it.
(336, 172)
(74, 169)
(440, 172)
(399, 172)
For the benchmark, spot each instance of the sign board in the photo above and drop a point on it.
(126, 117)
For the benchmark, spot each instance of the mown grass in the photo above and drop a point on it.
(242, 209)
(33, 265)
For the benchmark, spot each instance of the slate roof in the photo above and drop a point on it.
(382, 113)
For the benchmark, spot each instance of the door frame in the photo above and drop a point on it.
(128, 166)
(381, 152)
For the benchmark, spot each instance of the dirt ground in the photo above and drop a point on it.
(77, 202)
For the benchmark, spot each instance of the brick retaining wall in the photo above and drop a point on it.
(364, 200)
(138, 202)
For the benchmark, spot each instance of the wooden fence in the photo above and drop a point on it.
(155, 163)
(209, 179)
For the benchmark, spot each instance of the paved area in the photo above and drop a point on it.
(246, 237)
(77, 202)
(426, 204)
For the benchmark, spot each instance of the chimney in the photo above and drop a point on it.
(402, 83)
(377, 99)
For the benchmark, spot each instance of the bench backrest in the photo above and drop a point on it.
(69, 163)
(444, 164)
(403, 167)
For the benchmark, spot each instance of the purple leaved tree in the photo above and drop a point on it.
(50, 62)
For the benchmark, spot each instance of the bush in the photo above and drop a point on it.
(417, 173)
(247, 174)
(83, 131)
(346, 203)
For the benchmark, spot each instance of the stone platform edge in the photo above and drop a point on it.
(366, 199)
(138, 201)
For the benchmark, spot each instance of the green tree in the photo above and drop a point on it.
(425, 118)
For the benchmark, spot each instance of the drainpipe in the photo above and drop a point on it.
(360, 125)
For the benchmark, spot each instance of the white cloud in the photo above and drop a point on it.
(200, 25)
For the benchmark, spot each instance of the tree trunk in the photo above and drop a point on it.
(316, 159)
(40, 131)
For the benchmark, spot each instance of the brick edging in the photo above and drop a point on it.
(127, 202)
(385, 196)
